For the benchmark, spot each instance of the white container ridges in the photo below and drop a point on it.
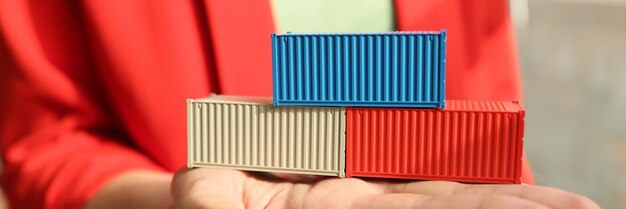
(250, 134)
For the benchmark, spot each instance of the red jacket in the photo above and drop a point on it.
(91, 89)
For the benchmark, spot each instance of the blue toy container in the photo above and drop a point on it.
(396, 69)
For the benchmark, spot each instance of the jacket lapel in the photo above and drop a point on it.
(240, 38)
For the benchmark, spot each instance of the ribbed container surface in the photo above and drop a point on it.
(466, 142)
(248, 133)
(397, 69)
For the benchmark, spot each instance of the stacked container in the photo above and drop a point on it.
(360, 105)
(469, 141)
(399, 69)
(249, 133)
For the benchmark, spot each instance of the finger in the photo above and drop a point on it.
(507, 201)
(421, 187)
(417, 201)
(551, 197)
(293, 177)
(394, 200)
(207, 188)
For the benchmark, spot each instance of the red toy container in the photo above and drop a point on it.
(469, 141)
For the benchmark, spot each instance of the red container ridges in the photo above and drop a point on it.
(468, 141)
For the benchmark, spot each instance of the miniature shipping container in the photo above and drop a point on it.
(467, 142)
(250, 134)
(397, 69)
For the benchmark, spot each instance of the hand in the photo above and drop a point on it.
(216, 188)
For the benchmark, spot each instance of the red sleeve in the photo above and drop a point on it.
(59, 139)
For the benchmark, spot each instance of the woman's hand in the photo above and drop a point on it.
(216, 188)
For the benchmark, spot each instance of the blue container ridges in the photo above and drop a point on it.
(396, 69)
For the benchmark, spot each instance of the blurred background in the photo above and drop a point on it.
(573, 55)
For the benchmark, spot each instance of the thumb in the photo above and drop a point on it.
(207, 188)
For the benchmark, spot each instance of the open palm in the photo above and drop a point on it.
(217, 188)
